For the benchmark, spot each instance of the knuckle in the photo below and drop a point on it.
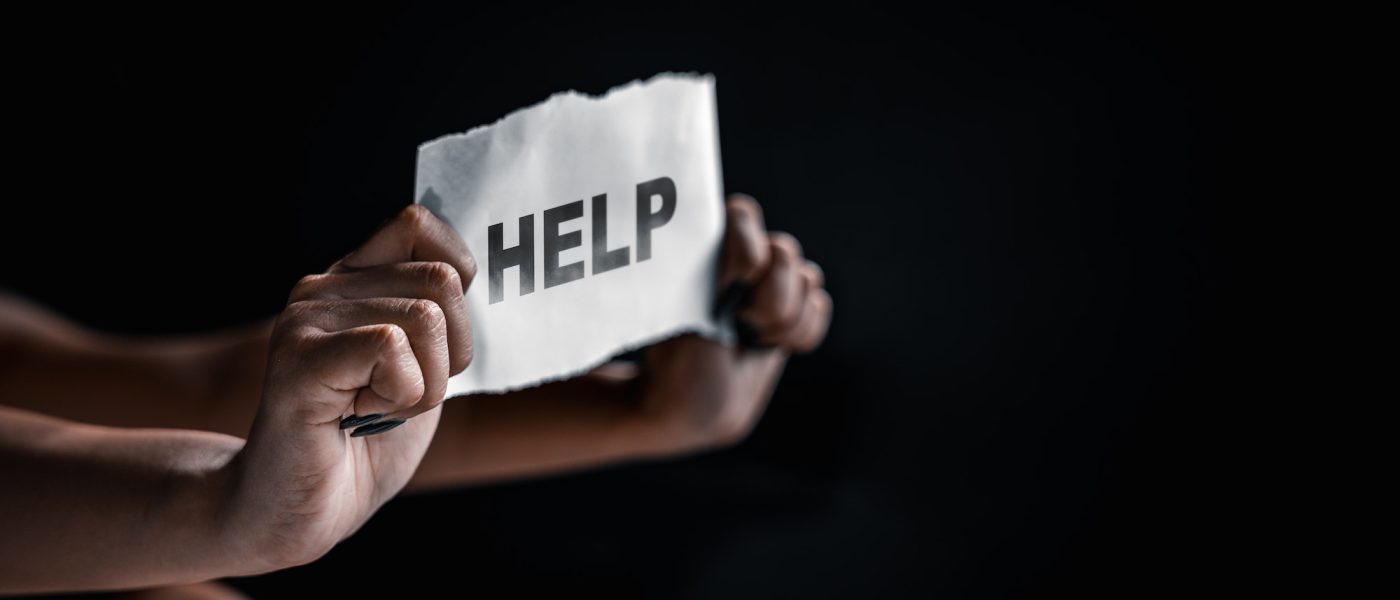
(785, 245)
(818, 274)
(824, 302)
(778, 305)
(751, 259)
(817, 334)
(442, 276)
(749, 263)
(780, 254)
(307, 285)
(417, 216)
(742, 206)
(389, 337)
(309, 280)
(297, 311)
(428, 312)
(301, 338)
(822, 306)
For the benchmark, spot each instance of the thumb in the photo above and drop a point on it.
(746, 252)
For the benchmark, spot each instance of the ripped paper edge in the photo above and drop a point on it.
(723, 331)
(572, 93)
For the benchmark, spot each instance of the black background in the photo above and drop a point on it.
(1023, 211)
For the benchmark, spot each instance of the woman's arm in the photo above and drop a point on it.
(85, 507)
(688, 394)
(50, 365)
(620, 412)
(91, 507)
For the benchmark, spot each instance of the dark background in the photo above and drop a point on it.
(1025, 213)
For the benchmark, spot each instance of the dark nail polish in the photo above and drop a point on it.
(729, 299)
(356, 421)
(377, 428)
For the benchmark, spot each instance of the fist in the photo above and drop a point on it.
(699, 394)
(357, 368)
(779, 293)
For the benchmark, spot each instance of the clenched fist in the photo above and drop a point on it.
(700, 393)
(358, 364)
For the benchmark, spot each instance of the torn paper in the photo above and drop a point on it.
(596, 225)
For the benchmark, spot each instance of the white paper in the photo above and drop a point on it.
(571, 148)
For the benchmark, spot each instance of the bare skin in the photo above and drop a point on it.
(377, 333)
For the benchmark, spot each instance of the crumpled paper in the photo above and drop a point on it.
(620, 198)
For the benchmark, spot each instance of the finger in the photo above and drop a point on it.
(810, 329)
(777, 299)
(371, 357)
(781, 334)
(816, 275)
(746, 252)
(422, 320)
(414, 235)
(436, 281)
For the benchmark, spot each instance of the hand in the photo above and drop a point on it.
(360, 350)
(702, 393)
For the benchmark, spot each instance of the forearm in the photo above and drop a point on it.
(51, 365)
(213, 383)
(701, 400)
(91, 508)
(690, 394)
(557, 427)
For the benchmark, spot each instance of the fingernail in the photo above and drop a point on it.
(356, 421)
(729, 299)
(377, 428)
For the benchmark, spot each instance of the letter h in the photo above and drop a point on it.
(522, 255)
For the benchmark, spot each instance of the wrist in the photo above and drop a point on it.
(200, 517)
(674, 426)
(226, 543)
(263, 526)
(241, 542)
